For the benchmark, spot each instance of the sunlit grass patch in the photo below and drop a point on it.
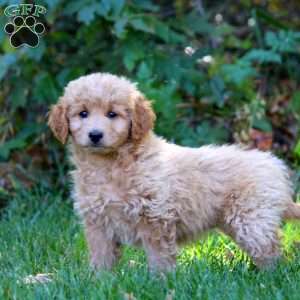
(41, 235)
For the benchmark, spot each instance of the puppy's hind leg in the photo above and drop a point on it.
(259, 237)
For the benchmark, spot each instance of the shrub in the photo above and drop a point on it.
(215, 75)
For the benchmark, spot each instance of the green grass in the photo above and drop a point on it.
(40, 234)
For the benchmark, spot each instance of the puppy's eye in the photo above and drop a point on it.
(111, 114)
(83, 114)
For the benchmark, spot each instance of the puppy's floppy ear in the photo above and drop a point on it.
(58, 122)
(143, 118)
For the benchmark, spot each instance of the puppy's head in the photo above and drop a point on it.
(101, 112)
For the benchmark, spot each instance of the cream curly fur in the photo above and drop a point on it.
(138, 189)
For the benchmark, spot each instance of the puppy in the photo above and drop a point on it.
(133, 187)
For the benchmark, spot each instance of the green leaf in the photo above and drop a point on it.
(166, 100)
(295, 103)
(133, 51)
(218, 89)
(144, 71)
(88, 9)
(3, 35)
(20, 141)
(165, 105)
(117, 7)
(87, 13)
(283, 41)
(120, 27)
(166, 33)
(154, 26)
(141, 24)
(262, 56)
(146, 5)
(10, 145)
(239, 72)
(104, 7)
(6, 61)
(74, 6)
(297, 149)
(18, 96)
(45, 90)
(51, 4)
(207, 134)
(262, 124)
(199, 24)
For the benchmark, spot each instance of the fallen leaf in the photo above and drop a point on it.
(38, 278)
(261, 140)
(129, 296)
(132, 263)
(170, 295)
(229, 255)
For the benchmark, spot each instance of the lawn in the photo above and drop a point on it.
(40, 234)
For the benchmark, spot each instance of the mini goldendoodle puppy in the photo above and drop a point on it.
(133, 187)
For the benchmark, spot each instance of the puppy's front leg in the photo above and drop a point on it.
(104, 252)
(159, 242)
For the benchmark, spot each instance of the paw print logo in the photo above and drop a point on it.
(24, 31)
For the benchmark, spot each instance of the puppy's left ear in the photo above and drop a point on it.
(58, 122)
(143, 118)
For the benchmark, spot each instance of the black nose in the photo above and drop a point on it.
(95, 136)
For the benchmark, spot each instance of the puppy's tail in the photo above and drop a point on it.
(292, 211)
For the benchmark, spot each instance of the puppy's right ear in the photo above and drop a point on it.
(58, 122)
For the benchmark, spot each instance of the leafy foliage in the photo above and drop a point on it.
(210, 82)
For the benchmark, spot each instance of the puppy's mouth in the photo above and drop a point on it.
(98, 147)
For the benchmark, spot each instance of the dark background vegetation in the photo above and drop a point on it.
(218, 72)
